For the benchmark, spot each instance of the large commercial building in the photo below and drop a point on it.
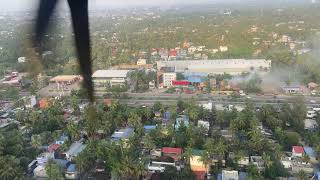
(112, 77)
(220, 66)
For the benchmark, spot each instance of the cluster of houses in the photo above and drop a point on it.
(66, 159)
(185, 52)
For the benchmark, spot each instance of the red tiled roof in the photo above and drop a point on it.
(53, 147)
(173, 53)
(298, 149)
(172, 150)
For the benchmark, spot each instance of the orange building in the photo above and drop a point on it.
(44, 103)
(197, 165)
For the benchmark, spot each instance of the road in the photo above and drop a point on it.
(139, 99)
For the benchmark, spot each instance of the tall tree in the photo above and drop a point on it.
(53, 171)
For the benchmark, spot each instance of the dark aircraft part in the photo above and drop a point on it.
(80, 21)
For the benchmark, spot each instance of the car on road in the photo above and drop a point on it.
(100, 166)
(72, 172)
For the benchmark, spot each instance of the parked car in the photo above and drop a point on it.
(100, 166)
(72, 172)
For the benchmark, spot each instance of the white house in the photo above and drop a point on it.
(297, 151)
(167, 79)
(21, 59)
(204, 124)
(230, 175)
(141, 62)
(223, 48)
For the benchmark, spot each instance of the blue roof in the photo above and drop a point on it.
(194, 79)
(61, 162)
(318, 174)
(149, 127)
(72, 168)
(199, 74)
(309, 151)
(167, 115)
(219, 177)
(243, 176)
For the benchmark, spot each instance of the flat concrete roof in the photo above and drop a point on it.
(110, 74)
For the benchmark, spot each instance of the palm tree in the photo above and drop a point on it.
(302, 175)
(53, 171)
(205, 158)
(82, 162)
(256, 140)
(267, 160)
(36, 140)
(306, 158)
(91, 121)
(210, 146)
(73, 131)
(9, 168)
(187, 154)
(134, 120)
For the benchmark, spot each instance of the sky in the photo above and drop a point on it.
(27, 4)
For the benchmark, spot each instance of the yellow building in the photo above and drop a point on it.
(196, 164)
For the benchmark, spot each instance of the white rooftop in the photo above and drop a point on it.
(110, 74)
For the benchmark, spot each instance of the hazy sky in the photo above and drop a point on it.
(27, 4)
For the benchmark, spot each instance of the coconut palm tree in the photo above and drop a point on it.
(187, 154)
(205, 158)
(306, 158)
(73, 131)
(267, 160)
(148, 142)
(302, 175)
(53, 171)
(36, 140)
(9, 168)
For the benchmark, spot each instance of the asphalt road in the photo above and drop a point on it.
(147, 99)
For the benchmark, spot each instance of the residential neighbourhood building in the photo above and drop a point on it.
(230, 175)
(168, 78)
(297, 151)
(122, 134)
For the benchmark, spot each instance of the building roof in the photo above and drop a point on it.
(172, 150)
(133, 66)
(309, 151)
(71, 168)
(75, 149)
(298, 149)
(110, 74)
(313, 85)
(199, 74)
(180, 83)
(122, 133)
(195, 79)
(65, 78)
(197, 152)
(149, 127)
(53, 147)
(62, 163)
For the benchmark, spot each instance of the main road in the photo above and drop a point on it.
(139, 99)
